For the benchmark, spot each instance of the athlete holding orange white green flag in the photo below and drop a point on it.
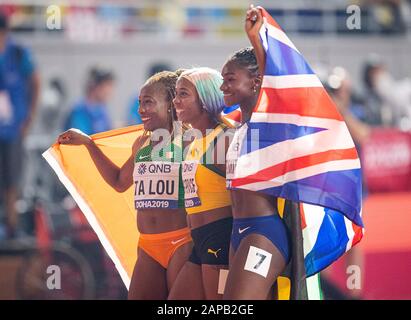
(165, 241)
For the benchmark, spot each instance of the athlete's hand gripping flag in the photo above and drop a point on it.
(111, 214)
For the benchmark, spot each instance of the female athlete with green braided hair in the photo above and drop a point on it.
(199, 102)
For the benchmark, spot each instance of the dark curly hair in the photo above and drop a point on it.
(246, 59)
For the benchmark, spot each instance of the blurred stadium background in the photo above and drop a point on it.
(131, 39)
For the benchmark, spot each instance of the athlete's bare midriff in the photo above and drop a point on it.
(200, 219)
(161, 220)
(248, 204)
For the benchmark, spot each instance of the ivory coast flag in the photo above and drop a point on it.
(112, 214)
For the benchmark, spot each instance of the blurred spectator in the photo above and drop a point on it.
(388, 15)
(132, 116)
(54, 97)
(338, 85)
(90, 115)
(19, 92)
(376, 112)
(48, 124)
(51, 110)
(388, 100)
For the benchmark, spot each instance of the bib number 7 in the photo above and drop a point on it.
(258, 261)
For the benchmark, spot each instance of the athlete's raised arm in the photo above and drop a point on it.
(119, 178)
(253, 23)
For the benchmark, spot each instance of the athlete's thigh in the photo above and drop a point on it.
(149, 281)
(211, 278)
(255, 267)
(177, 262)
(189, 284)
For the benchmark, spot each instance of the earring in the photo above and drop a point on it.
(169, 110)
(255, 89)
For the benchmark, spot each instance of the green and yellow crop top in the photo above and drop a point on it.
(157, 176)
(204, 184)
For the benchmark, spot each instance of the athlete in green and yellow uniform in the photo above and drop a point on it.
(165, 242)
(199, 103)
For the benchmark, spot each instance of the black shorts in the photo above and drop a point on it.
(212, 243)
(11, 155)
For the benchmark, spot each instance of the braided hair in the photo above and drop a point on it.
(167, 80)
(246, 59)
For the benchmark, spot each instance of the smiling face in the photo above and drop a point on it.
(187, 102)
(239, 85)
(155, 109)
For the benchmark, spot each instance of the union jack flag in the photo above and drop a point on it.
(232, 115)
(303, 152)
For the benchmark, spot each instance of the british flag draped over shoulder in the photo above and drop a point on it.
(303, 152)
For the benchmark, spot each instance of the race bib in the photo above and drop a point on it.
(156, 185)
(189, 169)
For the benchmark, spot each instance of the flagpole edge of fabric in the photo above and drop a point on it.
(52, 160)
